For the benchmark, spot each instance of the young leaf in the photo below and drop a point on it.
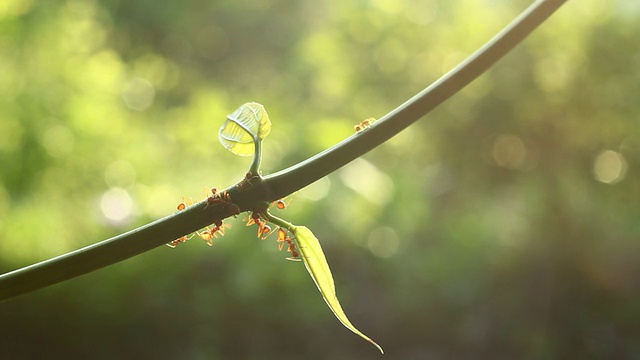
(317, 266)
(245, 127)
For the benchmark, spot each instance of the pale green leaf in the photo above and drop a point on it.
(317, 266)
(244, 127)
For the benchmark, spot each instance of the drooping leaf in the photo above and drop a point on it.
(317, 266)
(244, 127)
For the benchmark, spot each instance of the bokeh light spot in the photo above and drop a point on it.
(509, 152)
(117, 206)
(317, 190)
(138, 94)
(365, 179)
(553, 74)
(383, 242)
(609, 167)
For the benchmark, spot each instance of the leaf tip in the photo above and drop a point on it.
(376, 345)
(317, 266)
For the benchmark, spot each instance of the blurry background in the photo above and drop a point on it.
(503, 225)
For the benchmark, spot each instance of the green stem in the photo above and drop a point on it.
(296, 177)
(110, 251)
(280, 222)
(280, 184)
(257, 157)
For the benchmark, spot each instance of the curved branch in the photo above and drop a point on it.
(306, 172)
(280, 184)
(110, 251)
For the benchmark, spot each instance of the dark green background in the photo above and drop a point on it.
(503, 225)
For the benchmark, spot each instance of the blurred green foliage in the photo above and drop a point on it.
(504, 225)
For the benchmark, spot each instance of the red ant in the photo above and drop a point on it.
(364, 124)
(223, 198)
(217, 197)
(283, 239)
(183, 205)
(264, 230)
(281, 204)
(209, 234)
(176, 242)
(246, 182)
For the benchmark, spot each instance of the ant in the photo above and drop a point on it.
(283, 239)
(246, 182)
(183, 205)
(264, 230)
(209, 234)
(364, 124)
(177, 241)
(282, 203)
(223, 198)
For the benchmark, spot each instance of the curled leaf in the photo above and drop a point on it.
(244, 127)
(317, 266)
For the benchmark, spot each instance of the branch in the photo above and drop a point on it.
(283, 183)
(300, 175)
